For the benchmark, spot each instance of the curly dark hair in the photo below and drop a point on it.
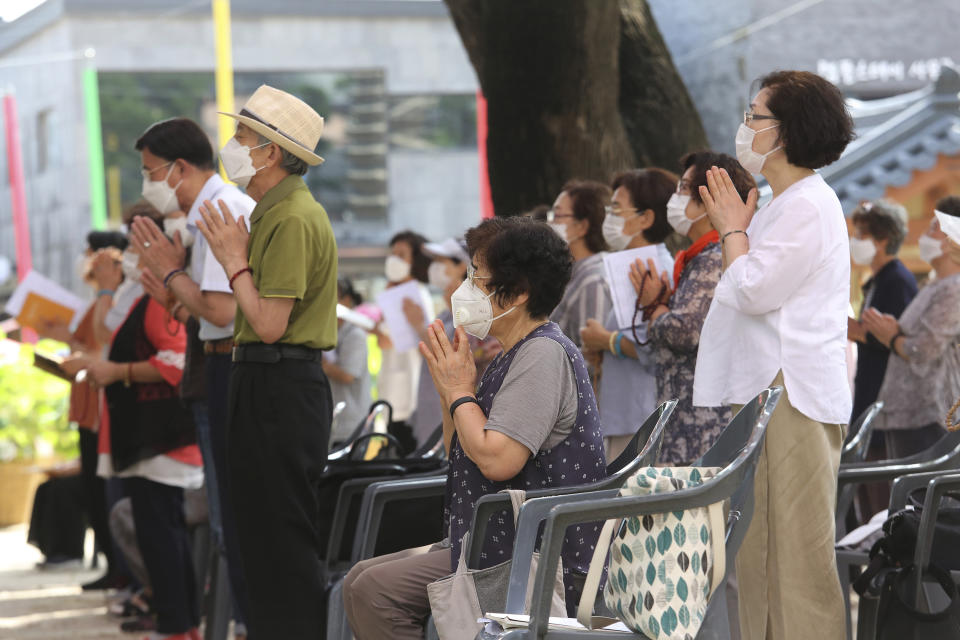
(650, 189)
(523, 256)
(883, 220)
(815, 126)
(949, 205)
(701, 161)
(421, 261)
(589, 203)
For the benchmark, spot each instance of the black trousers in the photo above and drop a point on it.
(217, 370)
(95, 495)
(165, 545)
(279, 428)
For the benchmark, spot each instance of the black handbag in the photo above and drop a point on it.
(898, 619)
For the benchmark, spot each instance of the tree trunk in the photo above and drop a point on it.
(574, 89)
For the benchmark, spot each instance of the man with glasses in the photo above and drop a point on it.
(178, 176)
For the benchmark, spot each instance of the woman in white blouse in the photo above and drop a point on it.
(779, 316)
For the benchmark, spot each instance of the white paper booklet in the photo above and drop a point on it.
(404, 336)
(39, 299)
(617, 267)
(517, 621)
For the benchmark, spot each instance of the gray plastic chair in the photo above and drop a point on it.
(937, 484)
(644, 448)
(942, 456)
(855, 450)
(643, 451)
(737, 451)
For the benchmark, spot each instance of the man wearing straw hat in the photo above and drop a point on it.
(283, 274)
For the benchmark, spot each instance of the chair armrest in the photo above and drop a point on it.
(905, 485)
(867, 473)
(489, 504)
(377, 496)
(532, 513)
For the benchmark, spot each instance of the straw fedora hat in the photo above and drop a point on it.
(284, 119)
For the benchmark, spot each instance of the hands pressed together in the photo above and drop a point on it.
(651, 285)
(226, 235)
(883, 326)
(726, 210)
(451, 366)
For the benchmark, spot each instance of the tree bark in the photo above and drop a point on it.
(560, 104)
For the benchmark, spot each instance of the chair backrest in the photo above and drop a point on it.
(429, 448)
(376, 411)
(861, 429)
(654, 425)
(644, 447)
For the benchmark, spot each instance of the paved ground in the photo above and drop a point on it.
(48, 605)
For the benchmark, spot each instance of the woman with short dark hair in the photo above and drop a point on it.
(636, 217)
(577, 217)
(532, 422)
(676, 305)
(779, 317)
(400, 370)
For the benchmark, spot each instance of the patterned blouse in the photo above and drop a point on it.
(919, 391)
(675, 338)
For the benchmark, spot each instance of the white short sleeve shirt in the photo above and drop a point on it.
(204, 268)
(783, 306)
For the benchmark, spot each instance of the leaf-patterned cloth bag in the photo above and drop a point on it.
(662, 567)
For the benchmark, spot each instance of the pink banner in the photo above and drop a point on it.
(18, 192)
(486, 199)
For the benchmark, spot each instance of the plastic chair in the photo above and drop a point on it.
(855, 450)
(737, 451)
(377, 409)
(644, 448)
(643, 451)
(942, 456)
(937, 484)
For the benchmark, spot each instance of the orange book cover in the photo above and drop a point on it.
(38, 310)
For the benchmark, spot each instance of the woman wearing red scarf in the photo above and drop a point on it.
(676, 305)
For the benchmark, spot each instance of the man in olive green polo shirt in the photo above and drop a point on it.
(284, 277)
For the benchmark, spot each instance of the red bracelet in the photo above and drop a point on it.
(238, 274)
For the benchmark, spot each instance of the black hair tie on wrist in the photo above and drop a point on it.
(464, 400)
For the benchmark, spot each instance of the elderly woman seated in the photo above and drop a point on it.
(531, 424)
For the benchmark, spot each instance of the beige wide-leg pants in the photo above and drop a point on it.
(786, 568)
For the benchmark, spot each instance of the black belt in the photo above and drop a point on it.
(273, 353)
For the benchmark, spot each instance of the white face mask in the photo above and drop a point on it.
(172, 225)
(613, 232)
(237, 162)
(751, 160)
(862, 250)
(560, 229)
(930, 248)
(130, 265)
(949, 224)
(158, 193)
(677, 214)
(437, 275)
(396, 269)
(472, 309)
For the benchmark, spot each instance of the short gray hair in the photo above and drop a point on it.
(884, 220)
(288, 162)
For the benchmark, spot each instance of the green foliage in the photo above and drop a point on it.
(33, 408)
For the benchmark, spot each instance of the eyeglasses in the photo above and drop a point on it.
(749, 117)
(552, 215)
(146, 173)
(472, 274)
(617, 210)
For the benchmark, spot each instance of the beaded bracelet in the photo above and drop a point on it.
(730, 233)
(170, 276)
(617, 345)
(238, 274)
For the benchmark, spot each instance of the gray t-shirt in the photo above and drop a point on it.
(537, 402)
(351, 356)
